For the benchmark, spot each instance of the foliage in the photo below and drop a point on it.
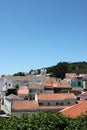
(17, 86)
(31, 96)
(19, 74)
(62, 68)
(43, 121)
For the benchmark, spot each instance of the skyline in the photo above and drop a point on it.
(36, 34)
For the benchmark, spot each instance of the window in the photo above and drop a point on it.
(6, 83)
(79, 83)
(68, 103)
(9, 84)
(61, 103)
(40, 103)
(25, 98)
(48, 104)
(57, 103)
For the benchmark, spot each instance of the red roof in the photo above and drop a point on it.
(75, 110)
(53, 82)
(57, 96)
(32, 105)
(25, 105)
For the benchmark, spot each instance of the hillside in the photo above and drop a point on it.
(61, 68)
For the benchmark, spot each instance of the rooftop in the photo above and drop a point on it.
(32, 105)
(25, 105)
(75, 110)
(36, 86)
(12, 96)
(57, 96)
(53, 82)
(25, 78)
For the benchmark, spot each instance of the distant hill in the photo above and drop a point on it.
(61, 68)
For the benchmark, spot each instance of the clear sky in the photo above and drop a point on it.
(41, 33)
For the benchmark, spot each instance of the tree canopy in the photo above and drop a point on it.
(43, 121)
(62, 68)
(19, 74)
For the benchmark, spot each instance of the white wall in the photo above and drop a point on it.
(36, 97)
(7, 104)
(48, 91)
(23, 95)
(53, 102)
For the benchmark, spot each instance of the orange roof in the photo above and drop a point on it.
(51, 107)
(64, 84)
(48, 83)
(53, 82)
(75, 110)
(33, 105)
(70, 75)
(36, 86)
(23, 90)
(57, 96)
(24, 105)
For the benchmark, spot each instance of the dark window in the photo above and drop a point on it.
(6, 83)
(68, 103)
(48, 104)
(25, 98)
(9, 84)
(40, 103)
(61, 103)
(57, 103)
(79, 83)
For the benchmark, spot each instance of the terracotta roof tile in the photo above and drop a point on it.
(52, 83)
(32, 105)
(25, 105)
(36, 86)
(58, 96)
(51, 107)
(75, 110)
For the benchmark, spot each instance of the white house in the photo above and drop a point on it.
(6, 103)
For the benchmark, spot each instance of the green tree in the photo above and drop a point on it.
(60, 70)
(17, 86)
(19, 74)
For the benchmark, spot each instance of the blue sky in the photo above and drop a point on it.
(41, 33)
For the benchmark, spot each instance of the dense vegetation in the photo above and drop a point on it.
(43, 121)
(19, 74)
(61, 68)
